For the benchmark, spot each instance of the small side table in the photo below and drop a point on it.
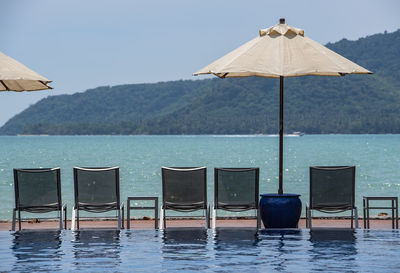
(394, 207)
(142, 198)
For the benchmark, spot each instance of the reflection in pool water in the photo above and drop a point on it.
(34, 250)
(91, 249)
(194, 250)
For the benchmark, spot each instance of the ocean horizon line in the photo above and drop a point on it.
(208, 135)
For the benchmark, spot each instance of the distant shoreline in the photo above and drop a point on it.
(214, 135)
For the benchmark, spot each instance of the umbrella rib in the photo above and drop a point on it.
(5, 85)
(45, 84)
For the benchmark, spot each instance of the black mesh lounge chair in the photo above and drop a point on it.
(332, 190)
(184, 190)
(236, 190)
(38, 191)
(97, 191)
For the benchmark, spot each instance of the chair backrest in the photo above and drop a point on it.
(37, 190)
(332, 188)
(236, 189)
(184, 189)
(96, 189)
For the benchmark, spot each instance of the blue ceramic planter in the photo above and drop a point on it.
(280, 210)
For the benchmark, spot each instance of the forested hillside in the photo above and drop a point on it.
(350, 104)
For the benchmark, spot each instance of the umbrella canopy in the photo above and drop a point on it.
(14, 76)
(284, 51)
(281, 51)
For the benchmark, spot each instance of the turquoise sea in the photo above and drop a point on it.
(376, 157)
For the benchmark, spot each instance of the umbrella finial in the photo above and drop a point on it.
(281, 20)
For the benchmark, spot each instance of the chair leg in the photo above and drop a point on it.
(73, 219)
(119, 218)
(208, 216)
(123, 215)
(65, 217)
(156, 219)
(214, 218)
(364, 214)
(13, 219)
(351, 218)
(309, 218)
(258, 219)
(356, 216)
(77, 217)
(306, 216)
(61, 217)
(19, 219)
(162, 218)
(128, 215)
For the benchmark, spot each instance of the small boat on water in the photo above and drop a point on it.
(297, 133)
(294, 134)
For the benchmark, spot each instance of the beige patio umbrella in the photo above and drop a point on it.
(281, 51)
(14, 76)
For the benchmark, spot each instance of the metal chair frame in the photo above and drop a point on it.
(232, 207)
(352, 207)
(176, 207)
(97, 208)
(61, 208)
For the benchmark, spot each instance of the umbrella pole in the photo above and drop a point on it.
(280, 190)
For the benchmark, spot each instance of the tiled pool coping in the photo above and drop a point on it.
(149, 224)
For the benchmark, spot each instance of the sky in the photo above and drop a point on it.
(85, 44)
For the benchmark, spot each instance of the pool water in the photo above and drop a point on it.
(201, 250)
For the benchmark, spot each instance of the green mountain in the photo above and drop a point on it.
(350, 104)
